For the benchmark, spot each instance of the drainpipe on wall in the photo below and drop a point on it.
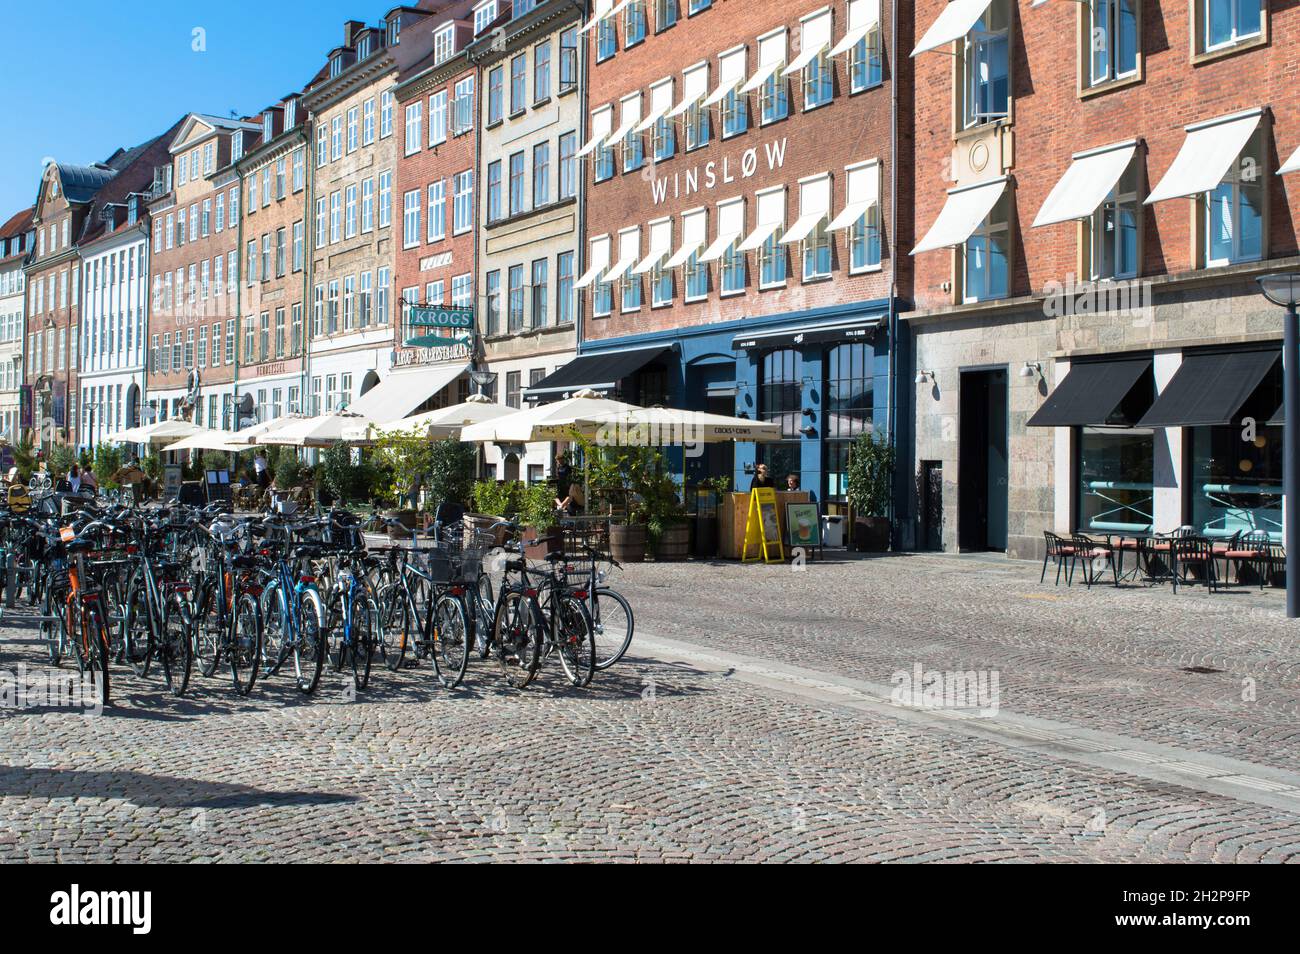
(890, 404)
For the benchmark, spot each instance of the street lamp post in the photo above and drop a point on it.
(1284, 289)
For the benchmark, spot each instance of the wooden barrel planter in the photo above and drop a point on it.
(627, 542)
(674, 543)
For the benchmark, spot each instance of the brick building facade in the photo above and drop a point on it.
(1095, 193)
(16, 237)
(273, 233)
(195, 269)
(741, 222)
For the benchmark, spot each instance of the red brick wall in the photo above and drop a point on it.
(850, 129)
(1051, 121)
(417, 171)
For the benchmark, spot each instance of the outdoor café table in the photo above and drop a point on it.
(1147, 548)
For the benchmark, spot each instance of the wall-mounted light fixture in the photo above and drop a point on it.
(923, 376)
(1030, 369)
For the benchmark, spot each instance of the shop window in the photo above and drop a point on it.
(780, 401)
(986, 71)
(848, 409)
(1115, 479)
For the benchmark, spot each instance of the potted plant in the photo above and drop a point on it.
(609, 474)
(492, 504)
(870, 482)
(658, 505)
(537, 513)
(407, 458)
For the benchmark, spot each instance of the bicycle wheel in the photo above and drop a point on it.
(136, 638)
(517, 631)
(307, 648)
(451, 640)
(208, 630)
(245, 648)
(53, 627)
(92, 648)
(611, 624)
(275, 627)
(398, 627)
(483, 599)
(176, 655)
(576, 643)
(363, 627)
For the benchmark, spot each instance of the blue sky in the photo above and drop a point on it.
(87, 77)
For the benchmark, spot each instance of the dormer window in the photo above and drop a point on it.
(394, 31)
(290, 114)
(444, 43)
(268, 127)
(484, 15)
(132, 209)
(336, 65)
(363, 48)
(236, 146)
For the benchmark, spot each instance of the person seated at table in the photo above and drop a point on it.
(761, 477)
(791, 482)
(573, 500)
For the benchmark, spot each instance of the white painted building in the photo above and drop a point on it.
(15, 242)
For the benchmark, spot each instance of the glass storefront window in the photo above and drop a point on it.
(1116, 492)
(847, 412)
(780, 400)
(1236, 469)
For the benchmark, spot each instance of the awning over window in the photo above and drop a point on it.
(629, 116)
(965, 209)
(599, 262)
(771, 216)
(603, 9)
(694, 231)
(1291, 165)
(661, 243)
(403, 391)
(695, 85)
(831, 332)
(601, 371)
(629, 250)
(601, 122)
(864, 16)
(814, 38)
(953, 24)
(863, 192)
(1206, 155)
(1091, 177)
(731, 226)
(731, 73)
(661, 100)
(771, 54)
(1209, 389)
(1091, 393)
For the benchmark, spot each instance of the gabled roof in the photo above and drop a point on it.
(18, 223)
(215, 123)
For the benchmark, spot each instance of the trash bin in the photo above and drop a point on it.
(832, 530)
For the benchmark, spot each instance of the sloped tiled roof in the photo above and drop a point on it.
(80, 183)
(18, 223)
(136, 176)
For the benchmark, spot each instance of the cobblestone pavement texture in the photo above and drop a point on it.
(660, 760)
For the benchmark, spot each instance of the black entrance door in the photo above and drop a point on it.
(931, 505)
(982, 467)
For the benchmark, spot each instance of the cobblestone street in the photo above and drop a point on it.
(752, 720)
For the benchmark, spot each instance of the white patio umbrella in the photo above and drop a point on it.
(321, 431)
(248, 436)
(668, 425)
(443, 422)
(159, 432)
(209, 440)
(546, 422)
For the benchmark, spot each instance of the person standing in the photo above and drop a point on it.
(261, 470)
(70, 483)
(761, 478)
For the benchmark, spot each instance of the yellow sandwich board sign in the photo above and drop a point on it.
(762, 532)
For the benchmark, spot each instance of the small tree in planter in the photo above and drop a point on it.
(451, 472)
(536, 505)
(408, 457)
(870, 489)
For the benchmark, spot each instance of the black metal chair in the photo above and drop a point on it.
(1186, 554)
(1095, 555)
(1252, 550)
(1060, 550)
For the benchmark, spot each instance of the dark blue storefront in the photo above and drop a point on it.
(824, 375)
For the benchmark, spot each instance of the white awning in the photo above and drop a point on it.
(731, 73)
(599, 262)
(661, 100)
(403, 391)
(620, 269)
(803, 227)
(1291, 165)
(629, 250)
(814, 38)
(863, 192)
(630, 115)
(965, 209)
(661, 243)
(756, 238)
(806, 56)
(601, 121)
(953, 24)
(771, 54)
(695, 84)
(679, 257)
(1206, 155)
(1091, 177)
(761, 76)
(600, 14)
(864, 16)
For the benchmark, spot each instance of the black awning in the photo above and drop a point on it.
(600, 371)
(1091, 394)
(1279, 417)
(858, 329)
(1210, 389)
